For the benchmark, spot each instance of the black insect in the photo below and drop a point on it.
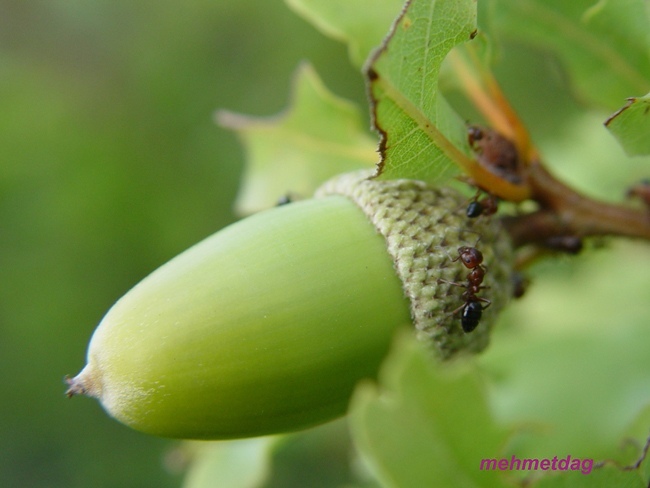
(284, 200)
(471, 316)
(474, 209)
(567, 244)
(485, 206)
(472, 310)
(519, 284)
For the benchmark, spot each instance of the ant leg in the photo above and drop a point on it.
(440, 280)
(445, 250)
(461, 235)
(470, 231)
(458, 309)
(485, 300)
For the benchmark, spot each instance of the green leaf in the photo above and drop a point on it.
(421, 134)
(314, 458)
(640, 430)
(317, 458)
(425, 424)
(603, 45)
(644, 468)
(573, 358)
(606, 477)
(234, 464)
(362, 24)
(321, 135)
(631, 126)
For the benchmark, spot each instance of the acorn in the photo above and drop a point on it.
(267, 325)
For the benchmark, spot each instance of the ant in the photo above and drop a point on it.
(485, 206)
(495, 152)
(567, 244)
(472, 309)
(519, 284)
(284, 200)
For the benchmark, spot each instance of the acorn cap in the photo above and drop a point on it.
(424, 227)
(267, 325)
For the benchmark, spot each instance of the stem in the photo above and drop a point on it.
(484, 91)
(565, 212)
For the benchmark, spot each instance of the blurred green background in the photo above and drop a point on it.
(110, 164)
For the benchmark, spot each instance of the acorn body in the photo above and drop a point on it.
(267, 325)
(255, 330)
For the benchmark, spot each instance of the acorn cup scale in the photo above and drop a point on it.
(267, 325)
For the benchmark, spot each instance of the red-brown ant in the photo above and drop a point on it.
(472, 259)
(469, 256)
(495, 152)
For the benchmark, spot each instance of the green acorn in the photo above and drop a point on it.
(267, 325)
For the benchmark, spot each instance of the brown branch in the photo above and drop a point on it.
(565, 212)
(507, 152)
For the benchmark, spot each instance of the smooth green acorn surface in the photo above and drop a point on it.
(263, 327)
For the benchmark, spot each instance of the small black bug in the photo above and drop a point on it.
(485, 206)
(284, 200)
(519, 284)
(471, 316)
(567, 244)
(474, 209)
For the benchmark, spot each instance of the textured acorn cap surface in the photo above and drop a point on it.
(424, 227)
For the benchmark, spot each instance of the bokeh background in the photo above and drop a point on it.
(110, 164)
